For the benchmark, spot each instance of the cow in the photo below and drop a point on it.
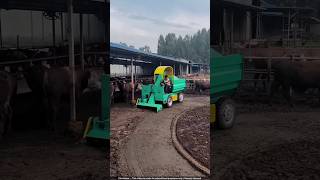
(8, 89)
(53, 85)
(202, 85)
(262, 64)
(298, 75)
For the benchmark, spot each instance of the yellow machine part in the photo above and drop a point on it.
(213, 113)
(88, 127)
(164, 70)
(175, 97)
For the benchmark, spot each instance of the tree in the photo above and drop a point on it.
(145, 49)
(195, 47)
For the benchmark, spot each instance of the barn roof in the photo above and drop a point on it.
(244, 5)
(83, 6)
(121, 51)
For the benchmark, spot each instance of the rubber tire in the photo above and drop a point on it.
(179, 98)
(224, 122)
(169, 105)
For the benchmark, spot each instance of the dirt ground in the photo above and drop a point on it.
(193, 130)
(141, 143)
(31, 151)
(124, 119)
(269, 142)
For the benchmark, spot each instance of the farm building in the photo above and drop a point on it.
(123, 59)
(238, 22)
(30, 25)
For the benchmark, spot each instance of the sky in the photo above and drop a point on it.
(140, 22)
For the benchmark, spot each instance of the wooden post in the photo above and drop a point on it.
(71, 61)
(81, 42)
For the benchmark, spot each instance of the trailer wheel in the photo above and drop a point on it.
(169, 102)
(226, 113)
(180, 97)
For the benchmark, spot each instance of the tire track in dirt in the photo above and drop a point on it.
(149, 150)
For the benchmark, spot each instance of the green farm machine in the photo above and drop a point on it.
(98, 127)
(154, 96)
(226, 72)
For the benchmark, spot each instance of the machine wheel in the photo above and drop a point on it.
(169, 102)
(180, 97)
(226, 113)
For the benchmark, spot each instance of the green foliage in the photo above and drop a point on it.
(145, 49)
(195, 48)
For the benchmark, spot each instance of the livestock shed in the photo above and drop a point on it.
(46, 23)
(263, 22)
(123, 59)
(36, 23)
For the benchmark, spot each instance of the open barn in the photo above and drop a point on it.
(64, 43)
(278, 98)
(134, 66)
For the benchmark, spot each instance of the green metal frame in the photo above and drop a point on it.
(99, 127)
(226, 72)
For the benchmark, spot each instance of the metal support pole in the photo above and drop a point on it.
(132, 82)
(53, 31)
(269, 75)
(135, 73)
(289, 21)
(81, 42)
(31, 28)
(62, 28)
(1, 43)
(71, 60)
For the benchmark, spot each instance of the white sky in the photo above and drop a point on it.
(140, 22)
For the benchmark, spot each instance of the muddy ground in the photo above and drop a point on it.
(141, 143)
(31, 151)
(193, 130)
(269, 142)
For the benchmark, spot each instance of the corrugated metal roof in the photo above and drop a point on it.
(121, 50)
(83, 6)
(242, 4)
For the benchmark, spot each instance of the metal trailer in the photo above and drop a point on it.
(226, 72)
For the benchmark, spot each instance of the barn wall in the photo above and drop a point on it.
(34, 30)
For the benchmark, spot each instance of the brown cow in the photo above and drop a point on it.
(202, 85)
(298, 75)
(53, 86)
(8, 89)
